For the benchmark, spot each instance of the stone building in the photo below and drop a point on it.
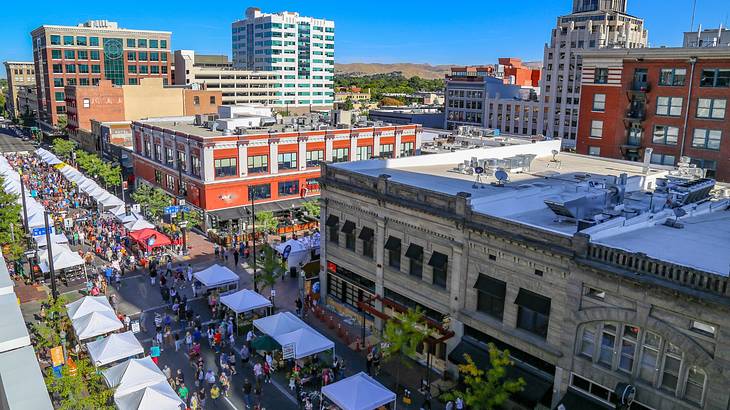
(573, 263)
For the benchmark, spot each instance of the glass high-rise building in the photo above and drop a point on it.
(300, 50)
(92, 51)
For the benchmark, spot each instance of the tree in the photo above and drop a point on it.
(193, 218)
(487, 389)
(12, 237)
(391, 101)
(154, 200)
(48, 329)
(83, 389)
(266, 222)
(348, 105)
(63, 148)
(403, 333)
(111, 175)
(271, 268)
(62, 123)
(312, 207)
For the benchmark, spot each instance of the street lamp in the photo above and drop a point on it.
(54, 292)
(25, 208)
(252, 195)
(181, 195)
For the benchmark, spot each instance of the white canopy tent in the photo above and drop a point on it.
(358, 392)
(96, 324)
(245, 300)
(63, 258)
(88, 304)
(124, 218)
(116, 346)
(298, 253)
(286, 328)
(56, 238)
(138, 225)
(111, 201)
(159, 396)
(132, 375)
(217, 276)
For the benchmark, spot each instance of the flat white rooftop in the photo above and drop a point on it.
(702, 243)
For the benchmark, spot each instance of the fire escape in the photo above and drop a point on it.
(635, 115)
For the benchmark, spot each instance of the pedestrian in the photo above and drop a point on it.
(215, 392)
(142, 321)
(189, 272)
(247, 387)
(158, 339)
(235, 257)
(232, 362)
(369, 363)
(210, 377)
(245, 355)
(216, 250)
(258, 372)
(225, 383)
(183, 393)
(178, 342)
(459, 405)
(153, 276)
(194, 402)
(127, 322)
(118, 280)
(298, 304)
(168, 373)
(267, 372)
(257, 394)
(210, 334)
(188, 341)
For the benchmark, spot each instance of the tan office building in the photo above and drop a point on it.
(19, 74)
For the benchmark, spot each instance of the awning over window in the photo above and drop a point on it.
(490, 286)
(332, 220)
(348, 227)
(414, 251)
(392, 244)
(533, 301)
(366, 234)
(438, 260)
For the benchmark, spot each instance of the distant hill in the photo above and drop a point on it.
(425, 71)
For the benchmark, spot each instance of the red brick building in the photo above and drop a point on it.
(282, 166)
(672, 101)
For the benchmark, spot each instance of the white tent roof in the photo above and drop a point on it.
(119, 212)
(63, 258)
(114, 347)
(56, 238)
(124, 218)
(306, 342)
(36, 220)
(134, 374)
(88, 304)
(138, 225)
(244, 301)
(112, 200)
(358, 392)
(159, 396)
(96, 324)
(278, 324)
(88, 185)
(215, 275)
(296, 246)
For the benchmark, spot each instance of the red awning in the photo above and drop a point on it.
(150, 238)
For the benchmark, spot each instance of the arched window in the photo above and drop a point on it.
(695, 388)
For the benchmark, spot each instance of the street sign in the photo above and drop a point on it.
(68, 223)
(172, 209)
(183, 224)
(136, 208)
(288, 351)
(41, 231)
(135, 326)
(181, 202)
(57, 356)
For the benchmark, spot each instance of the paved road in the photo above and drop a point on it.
(11, 143)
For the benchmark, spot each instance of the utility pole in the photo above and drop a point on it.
(252, 194)
(54, 292)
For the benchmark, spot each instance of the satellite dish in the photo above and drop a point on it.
(501, 175)
(478, 170)
(679, 212)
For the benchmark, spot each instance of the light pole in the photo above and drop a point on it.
(182, 194)
(252, 194)
(54, 292)
(25, 209)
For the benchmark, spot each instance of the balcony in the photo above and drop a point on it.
(640, 87)
(635, 115)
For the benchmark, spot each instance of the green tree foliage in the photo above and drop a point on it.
(348, 105)
(193, 218)
(48, 329)
(62, 122)
(63, 148)
(153, 200)
(12, 239)
(93, 165)
(391, 101)
(266, 222)
(402, 335)
(84, 390)
(270, 266)
(487, 389)
(312, 207)
(389, 83)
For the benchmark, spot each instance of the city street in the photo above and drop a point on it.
(9, 142)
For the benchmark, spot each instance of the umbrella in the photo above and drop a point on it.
(265, 343)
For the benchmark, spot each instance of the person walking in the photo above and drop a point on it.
(188, 341)
(178, 342)
(247, 387)
(235, 257)
(183, 392)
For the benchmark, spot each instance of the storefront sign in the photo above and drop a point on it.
(57, 356)
(288, 351)
(135, 326)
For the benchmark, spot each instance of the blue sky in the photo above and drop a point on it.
(425, 31)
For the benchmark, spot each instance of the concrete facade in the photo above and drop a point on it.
(19, 74)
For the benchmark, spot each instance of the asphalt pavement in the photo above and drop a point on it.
(9, 142)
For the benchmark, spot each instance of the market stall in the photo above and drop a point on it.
(114, 347)
(138, 225)
(217, 277)
(133, 375)
(358, 392)
(149, 239)
(243, 302)
(288, 330)
(96, 324)
(158, 396)
(296, 252)
(57, 238)
(86, 305)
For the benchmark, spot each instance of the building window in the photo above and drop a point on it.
(163, 43)
(169, 159)
(95, 69)
(59, 96)
(333, 229)
(58, 69)
(406, 149)
(711, 108)
(629, 339)
(706, 139)
(56, 54)
(212, 97)
(68, 40)
(490, 296)
(195, 165)
(588, 340)
(170, 182)
(141, 43)
(196, 100)
(672, 365)
(393, 247)
(132, 69)
(182, 161)
(695, 389)
(94, 55)
(599, 102)
(662, 159)
(70, 68)
(601, 76)
(225, 167)
(287, 160)
(414, 253)
(158, 153)
(58, 82)
(665, 135)
(289, 188)
(348, 228)
(715, 78)
(153, 43)
(608, 344)
(364, 153)
(86, 103)
(703, 328)
(340, 155)
(94, 42)
(439, 268)
(596, 151)
(672, 76)
(670, 106)
(158, 177)
(596, 129)
(367, 235)
(262, 191)
(258, 164)
(533, 312)
(55, 40)
(386, 150)
(131, 43)
(314, 158)
(147, 149)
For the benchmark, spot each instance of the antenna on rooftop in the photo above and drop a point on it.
(501, 176)
(555, 161)
(478, 171)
